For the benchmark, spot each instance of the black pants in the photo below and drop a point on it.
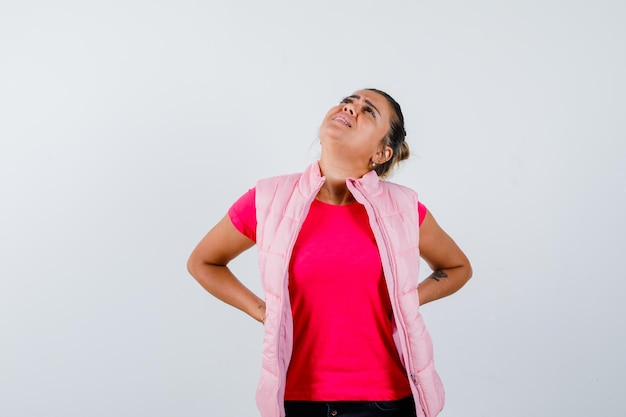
(399, 408)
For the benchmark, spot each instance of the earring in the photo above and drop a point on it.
(373, 164)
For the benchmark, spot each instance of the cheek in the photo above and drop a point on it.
(383, 131)
(377, 134)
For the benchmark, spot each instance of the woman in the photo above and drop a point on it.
(339, 253)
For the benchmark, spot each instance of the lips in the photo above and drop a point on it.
(342, 119)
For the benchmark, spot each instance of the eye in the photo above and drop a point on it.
(369, 110)
(346, 100)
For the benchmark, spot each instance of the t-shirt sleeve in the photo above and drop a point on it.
(243, 214)
(421, 211)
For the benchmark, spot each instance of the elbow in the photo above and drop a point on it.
(192, 265)
(468, 271)
(199, 266)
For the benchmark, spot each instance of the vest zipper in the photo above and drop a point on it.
(285, 287)
(396, 305)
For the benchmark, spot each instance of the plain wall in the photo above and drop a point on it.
(127, 129)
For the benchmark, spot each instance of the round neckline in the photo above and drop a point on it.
(323, 203)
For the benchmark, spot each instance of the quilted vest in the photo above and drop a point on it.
(282, 204)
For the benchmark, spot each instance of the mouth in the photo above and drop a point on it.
(342, 119)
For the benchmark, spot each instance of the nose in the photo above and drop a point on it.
(349, 108)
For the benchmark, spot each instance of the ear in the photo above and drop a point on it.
(383, 155)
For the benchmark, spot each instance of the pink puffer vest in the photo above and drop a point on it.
(282, 204)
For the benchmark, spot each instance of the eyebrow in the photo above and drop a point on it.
(369, 103)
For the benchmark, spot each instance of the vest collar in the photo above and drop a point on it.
(312, 180)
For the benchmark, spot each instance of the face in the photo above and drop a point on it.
(355, 128)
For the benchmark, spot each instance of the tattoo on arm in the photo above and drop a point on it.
(437, 275)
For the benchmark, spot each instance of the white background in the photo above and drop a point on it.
(127, 129)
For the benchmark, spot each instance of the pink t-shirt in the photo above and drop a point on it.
(343, 348)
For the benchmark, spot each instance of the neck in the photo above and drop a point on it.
(335, 191)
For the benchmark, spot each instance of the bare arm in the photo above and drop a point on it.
(208, 265)
(451, 268)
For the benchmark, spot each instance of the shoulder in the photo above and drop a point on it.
(278, 179)
(411, 194)
(271, 188)
(396, 190)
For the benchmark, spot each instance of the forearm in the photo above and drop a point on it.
(443, 282)
(220, 282)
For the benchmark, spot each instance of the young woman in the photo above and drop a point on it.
(339, 250)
